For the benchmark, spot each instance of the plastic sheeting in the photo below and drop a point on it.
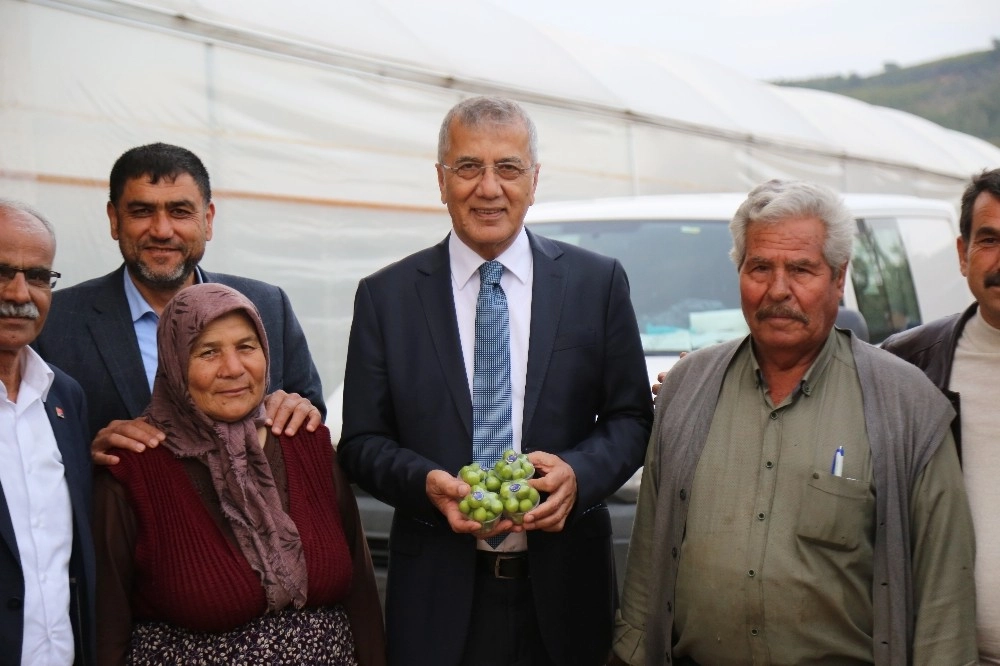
(318, 123)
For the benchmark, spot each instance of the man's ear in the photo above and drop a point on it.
(842, 278)
(963, 256)
(440, 173)
(113, 220)
(534, 184)
(209, 216)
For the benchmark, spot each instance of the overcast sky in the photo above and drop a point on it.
(782, 39)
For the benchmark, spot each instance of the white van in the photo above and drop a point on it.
(675, 250)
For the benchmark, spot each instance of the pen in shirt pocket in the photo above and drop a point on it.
(837, 466)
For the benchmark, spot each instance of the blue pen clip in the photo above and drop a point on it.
(837, 466)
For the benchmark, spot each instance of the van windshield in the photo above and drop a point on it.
(684, 287)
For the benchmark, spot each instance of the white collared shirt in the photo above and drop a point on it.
(516, 282)
(34, 485)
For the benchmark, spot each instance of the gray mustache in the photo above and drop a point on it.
(20, 310)
(770, 311)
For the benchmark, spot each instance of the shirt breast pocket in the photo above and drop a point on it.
(836, 512)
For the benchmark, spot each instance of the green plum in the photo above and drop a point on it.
(514, 466)
(518, 499)
(482, 506)
(473, 474)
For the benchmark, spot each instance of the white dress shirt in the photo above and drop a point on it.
(516, 282)
(34, 485)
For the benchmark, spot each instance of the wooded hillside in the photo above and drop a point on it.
(961, 93)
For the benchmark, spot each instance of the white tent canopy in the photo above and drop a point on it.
(318, 122)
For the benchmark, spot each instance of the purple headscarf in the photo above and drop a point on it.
(239, 469)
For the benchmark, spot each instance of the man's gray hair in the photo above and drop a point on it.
(479, 111)
(19, 207)
(778, 200)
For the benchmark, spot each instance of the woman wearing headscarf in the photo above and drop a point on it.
(226, 544)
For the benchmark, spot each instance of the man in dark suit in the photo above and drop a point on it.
(46, 549)
(103, 332)
(576, 403)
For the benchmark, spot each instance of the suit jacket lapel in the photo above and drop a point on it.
(70, 442)
(113, 331)
(7, 528)
(547, 293)
(438, 302)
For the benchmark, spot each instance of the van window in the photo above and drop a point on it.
(684, 288)
(883, 282)
(930, 245)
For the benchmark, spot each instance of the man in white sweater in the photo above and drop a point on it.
(961, 355)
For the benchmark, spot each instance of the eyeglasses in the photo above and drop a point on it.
(505, 170)
(39, 278)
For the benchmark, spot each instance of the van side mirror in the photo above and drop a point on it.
(853, 321)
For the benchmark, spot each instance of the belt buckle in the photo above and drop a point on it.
(496, 568)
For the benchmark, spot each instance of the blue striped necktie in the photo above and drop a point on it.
(492, 432)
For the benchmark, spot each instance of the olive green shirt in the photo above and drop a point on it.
(776, 564)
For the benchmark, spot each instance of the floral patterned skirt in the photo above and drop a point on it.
(309, 636)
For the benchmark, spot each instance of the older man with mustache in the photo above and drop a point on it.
(801, 500)
(961, 355)
(46, 551)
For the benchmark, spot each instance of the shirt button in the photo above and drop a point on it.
(754, 632)
(683, 494)
(673, 552)
(751, 573)
(760, 516)
(769, 464)
(774, 416)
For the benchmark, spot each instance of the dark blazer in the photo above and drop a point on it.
(407, 411)
(931, 347)
(89, 334)
(67, 412)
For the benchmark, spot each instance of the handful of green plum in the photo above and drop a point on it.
(500, 491)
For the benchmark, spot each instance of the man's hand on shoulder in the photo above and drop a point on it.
(559, 481)
(655, 388)
(287, 412)
(135, 435)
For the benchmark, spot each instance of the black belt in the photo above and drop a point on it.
(506, 566)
